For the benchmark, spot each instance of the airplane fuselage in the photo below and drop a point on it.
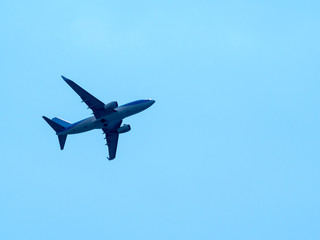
(118, 114)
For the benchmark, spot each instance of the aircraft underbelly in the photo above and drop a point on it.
(95, 123)
(82, 128)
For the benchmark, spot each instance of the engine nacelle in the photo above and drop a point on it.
(125, 128)
(111, 105)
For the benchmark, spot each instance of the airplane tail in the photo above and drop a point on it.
(61, 122)
(58, 125)
(62, 140)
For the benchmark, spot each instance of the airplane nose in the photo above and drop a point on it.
(149, 103)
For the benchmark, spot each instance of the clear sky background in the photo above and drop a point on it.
(230, 149)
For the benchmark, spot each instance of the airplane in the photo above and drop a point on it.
(107, 117)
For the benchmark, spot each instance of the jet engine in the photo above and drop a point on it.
(125, 128)
(111, 105)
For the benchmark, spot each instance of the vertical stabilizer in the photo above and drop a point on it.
(62, 122)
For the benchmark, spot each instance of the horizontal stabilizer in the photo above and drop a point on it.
(57, 127)
(62, 140)
(55, 124)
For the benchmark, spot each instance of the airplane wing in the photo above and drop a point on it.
(112, 138)
(92, 102)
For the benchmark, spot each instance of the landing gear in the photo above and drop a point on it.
(105, 122)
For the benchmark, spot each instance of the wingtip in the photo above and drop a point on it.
(64, 78)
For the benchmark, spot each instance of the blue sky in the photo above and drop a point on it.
(230, 150)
